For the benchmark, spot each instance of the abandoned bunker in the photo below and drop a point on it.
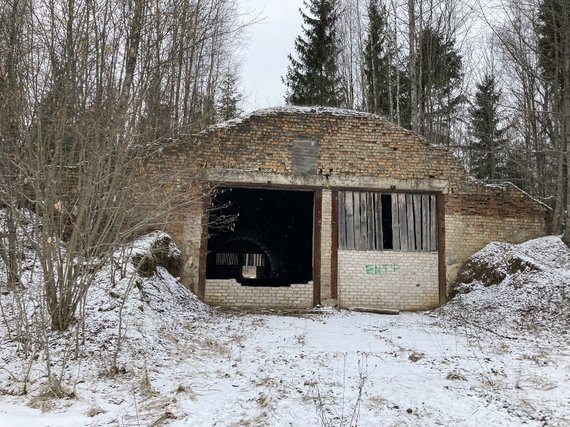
(328, 206)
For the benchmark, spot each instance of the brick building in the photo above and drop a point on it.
(335, 206)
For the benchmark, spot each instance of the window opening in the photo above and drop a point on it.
(375, 221)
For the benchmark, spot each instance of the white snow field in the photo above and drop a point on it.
(496, 355)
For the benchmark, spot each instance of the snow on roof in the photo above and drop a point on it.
(505, 185)
(291, 109)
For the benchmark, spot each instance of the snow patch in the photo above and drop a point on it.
(182, 363)
(515, 287)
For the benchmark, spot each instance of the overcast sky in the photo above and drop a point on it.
(265, 53)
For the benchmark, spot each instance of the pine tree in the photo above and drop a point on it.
(313, 79)
(379, 71)
(228, 105)
(488, 137)
(376, 66)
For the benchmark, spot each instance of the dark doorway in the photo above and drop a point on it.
(261, 237)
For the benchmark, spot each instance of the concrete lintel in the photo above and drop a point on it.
(234, 176)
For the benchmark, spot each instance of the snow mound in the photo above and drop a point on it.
(145, 302)
(136, 315)
(510, 287)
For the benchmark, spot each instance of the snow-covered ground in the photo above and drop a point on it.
(474, 362)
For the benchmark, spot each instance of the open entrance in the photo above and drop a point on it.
(268, 240)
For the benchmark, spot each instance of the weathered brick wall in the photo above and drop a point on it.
(184, 222)
(476, 214)
(350, 144)
(231, 293)
(389, 280)
(186, 196)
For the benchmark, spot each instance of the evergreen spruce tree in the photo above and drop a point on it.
(380, 73)
(228, 105)
(488, 137)
(313, 78)
(376, 65)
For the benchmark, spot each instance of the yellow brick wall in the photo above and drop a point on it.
(389, 279)
(229, 293)
(350, 144)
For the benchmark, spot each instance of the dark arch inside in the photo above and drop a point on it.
(269, 241)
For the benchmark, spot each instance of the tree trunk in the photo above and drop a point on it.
(566, 134)
(565, 113)
(413, 65)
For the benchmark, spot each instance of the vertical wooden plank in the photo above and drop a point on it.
(364, 220)
(433, 224)
(373, 219)
(357, 231)
(395, 223)
(334, 244)
(341, 218)
(418, 220)
(410, 222)
(441, 251)
(425, 223)
(371, 229)
(375, 213)
(318, 213)
(349, 209)
(403, 222)
(379, 230)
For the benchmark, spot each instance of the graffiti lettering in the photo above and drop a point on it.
(382, 268)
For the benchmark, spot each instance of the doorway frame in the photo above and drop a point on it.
(316, 235)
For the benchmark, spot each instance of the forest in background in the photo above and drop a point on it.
(89, 92)
(489, 80)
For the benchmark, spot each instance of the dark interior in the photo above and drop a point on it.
(261, 237)
(387, 237)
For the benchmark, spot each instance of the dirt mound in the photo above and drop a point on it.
(155, 250)
(492, 265)
(510, 287)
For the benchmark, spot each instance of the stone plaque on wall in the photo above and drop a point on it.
(304, 155)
